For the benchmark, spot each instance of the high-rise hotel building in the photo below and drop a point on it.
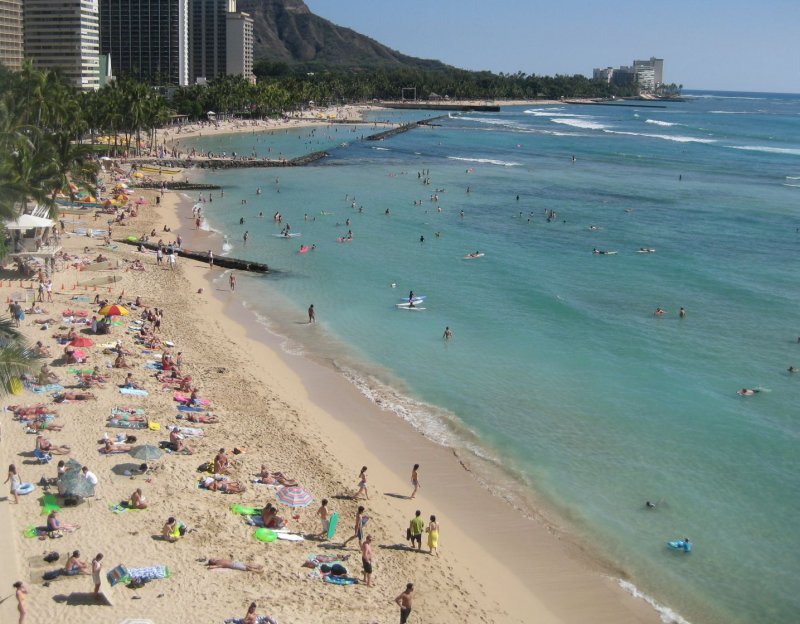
(239, 44)
(147, 39)
(220, 40)
(65, 34)
(11, 33)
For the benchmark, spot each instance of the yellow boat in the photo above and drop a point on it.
(161, 170)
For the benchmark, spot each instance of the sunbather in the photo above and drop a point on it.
(177, 443)
(137, 500)
(54, 523)
(73, 396)
(41, 425)
(275, 478)
(201, 418)
(230, 564)
(41, 350)
(46, 376)
(44, 445)
(270, 517)
(130, 383)
(218, 485)
(30, 410)
(110, 447)
(120, 361)
(221, 462)
(173, 530)
(75, 566)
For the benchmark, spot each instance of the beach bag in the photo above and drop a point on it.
(51, 575)
(408, 534)
(51, 556)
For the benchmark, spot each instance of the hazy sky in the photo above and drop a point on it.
(736, 45)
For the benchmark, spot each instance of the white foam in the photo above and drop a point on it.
(381, 149)
(579, 123)
(488, 161)
(658, 122)
(550, 112)
(724, 112)
(793, 151)
(793, 177)
(667, 137)
(793, 185)
(667, 615)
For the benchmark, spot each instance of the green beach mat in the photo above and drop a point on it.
(80, 371)
(243, 510)
(30, 532)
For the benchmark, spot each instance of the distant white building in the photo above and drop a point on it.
(239, 45)
(65, 34)
(648, 74)
(11, 34)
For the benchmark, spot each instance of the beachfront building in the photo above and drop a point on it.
(147, 39)
(31, 240)
(65, 35)
(11, 40)
(239, 56)
(647, 74)
(207, 39)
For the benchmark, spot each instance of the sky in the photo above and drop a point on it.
(732, 45)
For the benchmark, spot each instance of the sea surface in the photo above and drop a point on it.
(558, 371)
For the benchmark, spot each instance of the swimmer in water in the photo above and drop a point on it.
(748, 391)
(792, 369)
(649, 505)
(659, 312)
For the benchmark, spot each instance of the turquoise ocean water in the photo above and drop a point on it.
(558, 369)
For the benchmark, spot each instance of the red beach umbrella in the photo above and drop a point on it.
(82, 342)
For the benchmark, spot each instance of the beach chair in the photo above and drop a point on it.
(43, 457)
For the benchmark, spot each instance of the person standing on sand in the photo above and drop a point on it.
(366, 560)
(312, 317)
(324, 518)
(20, 592)
(97, 566)
(415, 528)
(405, 601)
(16, 482)
(210, 259)
(232, 281)
(415, 480)
(362, 484)
(433, 536)
(358, 527)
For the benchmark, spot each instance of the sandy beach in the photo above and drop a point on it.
(297, 417)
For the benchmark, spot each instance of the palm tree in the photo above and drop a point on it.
(16, 358)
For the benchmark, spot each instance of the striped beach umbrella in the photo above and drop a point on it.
(294, 496)
(113, 310)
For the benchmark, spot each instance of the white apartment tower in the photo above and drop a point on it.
(239, 44)
(65, 34)
(11, 34)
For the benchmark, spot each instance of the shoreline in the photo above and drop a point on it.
(530, 541)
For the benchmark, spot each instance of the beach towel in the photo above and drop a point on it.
(340, 580)
(80, 371)
(133, 391)
(123, 507)
(47, 388)
(182, 398)
(124, 411)
(189, 408)
(262, 619)
(154, 366)
(149, 573)
(126, 424)
(243, 510)
(193, 432)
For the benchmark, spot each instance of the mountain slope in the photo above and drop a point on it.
(287, 31)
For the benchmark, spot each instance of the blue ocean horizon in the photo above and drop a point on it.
(559, 372)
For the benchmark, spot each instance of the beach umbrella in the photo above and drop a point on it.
(294, 496)
(113, 310)
(81, 342)
(147, 452)
(74, 483)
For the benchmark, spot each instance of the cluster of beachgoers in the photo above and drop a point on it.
(185, 468)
